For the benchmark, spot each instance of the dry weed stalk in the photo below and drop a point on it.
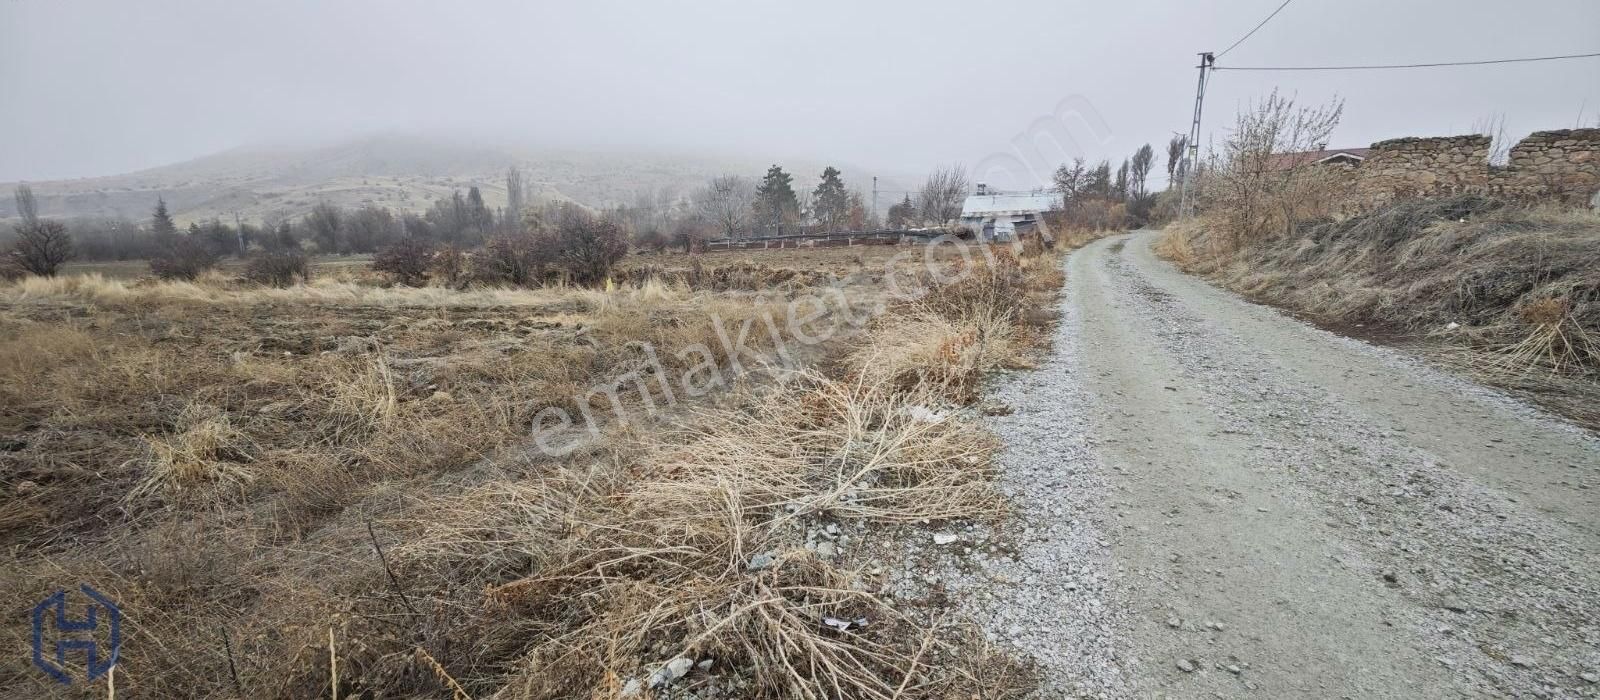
(456, 691)
(1555, 342)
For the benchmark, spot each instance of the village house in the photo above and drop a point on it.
(999, 216)
(1336, 156)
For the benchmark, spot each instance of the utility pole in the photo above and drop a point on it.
(875, 198)
(1193, 157)
(238, 227)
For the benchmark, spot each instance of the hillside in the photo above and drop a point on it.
(399, 172)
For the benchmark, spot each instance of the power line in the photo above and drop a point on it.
(1412, 65)
(1253, 31)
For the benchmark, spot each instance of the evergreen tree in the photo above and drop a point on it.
(775, 198)
(161, 221)
(830, 203)
(901, 215)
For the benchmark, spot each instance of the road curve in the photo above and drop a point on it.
(1282, 512)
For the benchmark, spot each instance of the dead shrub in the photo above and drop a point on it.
(279, 268)
(518, 259)
(589, 246)
(451, 267)
(41, 248)
(1258, 185)
(407, 261)
(182, 257)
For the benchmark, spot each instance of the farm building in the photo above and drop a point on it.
(996, 216)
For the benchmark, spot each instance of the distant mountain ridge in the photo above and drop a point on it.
(399, 172)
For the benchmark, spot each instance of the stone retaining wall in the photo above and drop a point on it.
(1562, 164)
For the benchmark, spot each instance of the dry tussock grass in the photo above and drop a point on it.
(1520, 282)
(208, 451)
(650, 556)
(1555, 340)
(512, 574)
(949, 338)
(96, 289)
(1422, 265)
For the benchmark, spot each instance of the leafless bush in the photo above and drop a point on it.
(690, 235)
(41, 248)
(589, 246)
(451, 266)
(279, 268)
(1261, 184)
(518, 259)
(406, 261)
(182, 257)
(651, 239)
(1089, 215)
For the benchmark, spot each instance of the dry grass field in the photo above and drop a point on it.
(339, 265)
(331, 488)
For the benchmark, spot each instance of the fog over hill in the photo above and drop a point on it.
(405, 172)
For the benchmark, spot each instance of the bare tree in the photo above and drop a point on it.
(1069, 180)
(726, 202)
(942, 194)
(1175, 149)
(41, 246)
(515, 200)
(27, 206)
(1139, 169)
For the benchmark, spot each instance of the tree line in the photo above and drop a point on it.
(736, 206)
(1098, 197)
(460, 238)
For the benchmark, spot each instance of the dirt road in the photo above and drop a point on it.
(1217, 500)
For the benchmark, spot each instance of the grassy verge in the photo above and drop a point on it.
(1511, 293)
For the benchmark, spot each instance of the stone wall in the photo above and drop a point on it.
(1424, 167)
(1563, 164)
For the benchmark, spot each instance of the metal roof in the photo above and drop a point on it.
(981, 204)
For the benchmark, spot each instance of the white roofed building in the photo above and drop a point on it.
(995, 216)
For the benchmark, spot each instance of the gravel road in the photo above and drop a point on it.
(1217, 500)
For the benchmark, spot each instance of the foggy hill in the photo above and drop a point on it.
(399, 172)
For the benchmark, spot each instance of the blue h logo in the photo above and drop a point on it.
(73, 636)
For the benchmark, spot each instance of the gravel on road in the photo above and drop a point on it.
(1216, 500)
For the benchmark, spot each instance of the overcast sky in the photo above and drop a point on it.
(110, 86)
